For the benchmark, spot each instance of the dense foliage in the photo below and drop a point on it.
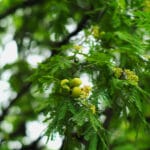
(105, 41)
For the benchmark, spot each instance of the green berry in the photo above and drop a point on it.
(76, 92)
(75, 82)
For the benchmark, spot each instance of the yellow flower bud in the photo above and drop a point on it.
(85, 91)
(93, 109)
(118, 71)
(131, 76)
(77, 47)
(96, 31)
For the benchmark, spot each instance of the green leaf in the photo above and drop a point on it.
(99, 58)
(133, 42)
(62, 109)
(80, 117)
(96, 124)
(93, 142)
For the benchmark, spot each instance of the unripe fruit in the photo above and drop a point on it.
(75, 82)
(64, 82)
(66, 88)
(76, 92)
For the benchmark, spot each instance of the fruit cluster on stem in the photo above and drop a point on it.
(72, 86)
(74, 89)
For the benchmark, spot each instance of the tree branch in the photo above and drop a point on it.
(80, 26)
(33, 145)
(108, 113)
(24, 90)
(24, 4)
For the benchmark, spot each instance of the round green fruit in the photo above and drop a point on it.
(75, 82)
(64, 82)
(66, 88)
(76, 92)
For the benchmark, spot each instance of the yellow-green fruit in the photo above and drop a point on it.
(76, 92)
(75, 82)
(64, 82)
(66, 88)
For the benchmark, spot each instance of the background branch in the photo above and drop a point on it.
(80, 26)
(108, 113)
(24, 4)
(33, 146)
(23, 91)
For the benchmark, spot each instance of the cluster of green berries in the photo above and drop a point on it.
(73, 87)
